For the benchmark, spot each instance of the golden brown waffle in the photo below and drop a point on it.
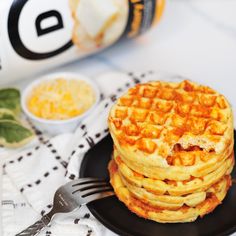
(165, 124)
(213, 198)
(173, 187)
(180, 173)
(173, 150)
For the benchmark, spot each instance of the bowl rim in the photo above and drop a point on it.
(53, 76)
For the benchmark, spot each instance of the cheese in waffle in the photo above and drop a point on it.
(213, 161)
(173, 145)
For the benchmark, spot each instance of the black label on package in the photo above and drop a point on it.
(15, 38)
(141, 15)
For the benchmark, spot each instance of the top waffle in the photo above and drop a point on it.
(171, 123)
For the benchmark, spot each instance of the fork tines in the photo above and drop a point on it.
(91, 189)
(88, 180)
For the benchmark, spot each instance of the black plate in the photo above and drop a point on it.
(115, 216)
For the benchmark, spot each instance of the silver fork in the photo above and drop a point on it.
(70, 197)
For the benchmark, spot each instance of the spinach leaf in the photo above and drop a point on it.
(13, 134)
(10, 99)
(6, 114)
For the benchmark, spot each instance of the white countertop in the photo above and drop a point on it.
(196, 38)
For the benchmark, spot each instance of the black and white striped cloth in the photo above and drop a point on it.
(32, 175)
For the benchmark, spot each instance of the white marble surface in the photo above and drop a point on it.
(196, 38)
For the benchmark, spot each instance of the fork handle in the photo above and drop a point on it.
(36, 227)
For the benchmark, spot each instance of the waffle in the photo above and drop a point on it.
(180, 173)
(173, 150)
(173, 187)
(208, 202)
(153, 124)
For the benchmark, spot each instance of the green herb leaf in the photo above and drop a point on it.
(13, 134)
(6, 114)
(10, 99)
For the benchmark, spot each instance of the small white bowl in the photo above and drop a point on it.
(55, 127)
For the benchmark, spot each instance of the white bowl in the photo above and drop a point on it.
(55, 127)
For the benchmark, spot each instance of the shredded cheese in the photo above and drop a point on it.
(60, 99)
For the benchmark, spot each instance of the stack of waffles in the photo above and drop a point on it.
(173, 150)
